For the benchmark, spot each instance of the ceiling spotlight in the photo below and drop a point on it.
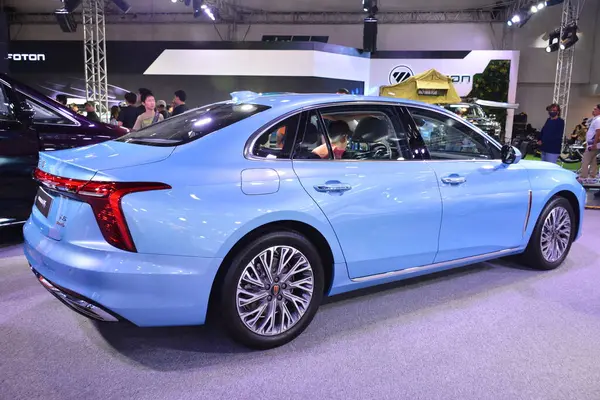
(553, 39)
(541, 5)
(208, 12)
(509, 23)
(515, 19)
(197, 4)
(173, 1)
(370, 6)
(569, 37)
(534, 9)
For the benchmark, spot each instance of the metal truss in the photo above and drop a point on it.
(94, 43)
(564, 64)
(245, 16)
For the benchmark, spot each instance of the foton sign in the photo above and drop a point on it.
(27, 57)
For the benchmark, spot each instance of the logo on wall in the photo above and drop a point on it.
(400, 74)
(27, 57)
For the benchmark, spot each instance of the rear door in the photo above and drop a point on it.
(355, 162)
(18, 158)
(486, 203)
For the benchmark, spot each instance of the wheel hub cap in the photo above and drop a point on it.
(274, 290)
(556, 234)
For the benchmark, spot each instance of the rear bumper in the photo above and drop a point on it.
(145, 289)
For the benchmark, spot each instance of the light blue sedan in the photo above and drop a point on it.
(260, 206)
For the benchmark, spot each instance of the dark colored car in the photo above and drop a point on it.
(474, 113)
(31, 122)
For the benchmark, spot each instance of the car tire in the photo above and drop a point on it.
(550, 230)
(280, 305)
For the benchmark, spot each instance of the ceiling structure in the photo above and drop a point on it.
(281, 12)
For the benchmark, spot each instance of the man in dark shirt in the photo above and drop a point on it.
(179, 103)
(129, 114)
(551, 136)
(91, 112)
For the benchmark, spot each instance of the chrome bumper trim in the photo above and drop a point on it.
(76, 303)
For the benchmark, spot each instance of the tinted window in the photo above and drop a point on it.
(193, 124)
(450, 139)
(277, 141)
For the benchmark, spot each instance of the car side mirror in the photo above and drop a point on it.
(510, 154)
(26, 112)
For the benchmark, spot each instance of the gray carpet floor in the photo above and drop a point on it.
(490, 331)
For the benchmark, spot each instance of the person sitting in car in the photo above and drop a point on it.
(338, 137)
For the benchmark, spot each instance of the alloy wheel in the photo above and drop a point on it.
(556, 234)
(274, 290)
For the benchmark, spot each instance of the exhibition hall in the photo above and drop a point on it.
(339, 199)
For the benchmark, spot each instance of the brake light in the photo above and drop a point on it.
(105, 200)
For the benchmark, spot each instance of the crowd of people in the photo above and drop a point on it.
(140, 110)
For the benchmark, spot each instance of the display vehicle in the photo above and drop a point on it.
(29, 123)
(260, 206)
(474, 113)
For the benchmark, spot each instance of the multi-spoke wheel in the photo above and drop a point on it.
(272, 290)
(552, 237)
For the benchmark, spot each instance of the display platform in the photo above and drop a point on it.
(592, 202)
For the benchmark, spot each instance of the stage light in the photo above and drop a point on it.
(569, 37)
(541, 5)
(370, 6)
(553, 40)
(509, 23)
(515, 19)
(208, 12)
(173, 1)
(534, 8)
(197, 4)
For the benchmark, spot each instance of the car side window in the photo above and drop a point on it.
(355, 133)
(277, 142)
(449, 139)
(44, 115)
(6, 107)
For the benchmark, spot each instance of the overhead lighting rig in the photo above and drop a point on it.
(521, 15)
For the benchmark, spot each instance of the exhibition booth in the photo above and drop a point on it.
(209, 71)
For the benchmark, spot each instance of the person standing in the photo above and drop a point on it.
(128, 115)
(150, 116)
(179, 106)
(90, 112)
(551, 136)
(114, 115)
(162, 108)
(142, 92)
(62, 99)
(589, 165)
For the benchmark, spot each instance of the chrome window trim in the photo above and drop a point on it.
(55, 110)
(263, 129)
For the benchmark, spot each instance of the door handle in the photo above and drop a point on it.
(454, 179)
(332, 187)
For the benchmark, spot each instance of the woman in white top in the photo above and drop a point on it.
(150, 116)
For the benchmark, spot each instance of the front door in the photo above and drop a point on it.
(485, 202)
(385, 208)
(18, 158)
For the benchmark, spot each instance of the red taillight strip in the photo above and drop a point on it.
(105, 200)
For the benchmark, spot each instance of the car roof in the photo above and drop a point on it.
(291, 101)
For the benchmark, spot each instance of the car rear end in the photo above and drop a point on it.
(87, 237)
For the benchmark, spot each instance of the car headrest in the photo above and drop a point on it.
(371, 129)
(312, 136)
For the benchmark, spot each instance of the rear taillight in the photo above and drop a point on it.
(105, 200)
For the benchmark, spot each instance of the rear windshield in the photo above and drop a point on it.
(193, 124)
